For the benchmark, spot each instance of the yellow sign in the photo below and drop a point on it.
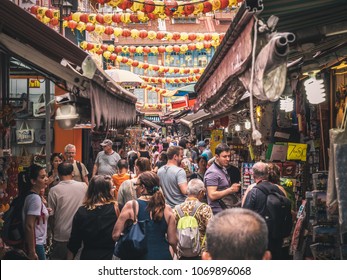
(216, 138)
(297, 151)
(34, 84)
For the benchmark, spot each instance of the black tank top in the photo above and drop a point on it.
(144, 154)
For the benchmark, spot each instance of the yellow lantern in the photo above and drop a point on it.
(142, 16)
(154, 49)
(76, 16)
(140, 65)
(81, 26)
(45, 19)
(125, 17)
(184, 36)
(215, 36)
(215, 43)
(171, 70)
(139, 49)
(134, 33)
(119, 58)
(99, 29)
(184, 48)
(180, 9)
(152, 35)
(108, 18)
(114, 3)
(200, 37)
(159, 8)
(106, 55)
(125, 49)
(92, 18)
(83, 45)
(96, 47)
(215, 4)
(169, 49)
(65, 23)
(137, 6)
(168, 36)
(130, 61)
(232, 3)
(111, 48)
(199, 45)
(117, 31)
(41, 11)
(198, 8)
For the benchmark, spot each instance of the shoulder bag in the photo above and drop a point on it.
(132, 244)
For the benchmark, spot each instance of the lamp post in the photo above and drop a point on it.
(65, 8)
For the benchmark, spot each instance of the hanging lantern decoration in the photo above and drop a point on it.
(184, 48)
(176, 48)
(223, 4)
(141, 16)
(104, 47)
(169, 49)
(139, 49)
(72, 24)
(116, 18)
(154, 49)
(188, 9)
(134, 18)
(54, 21)
(176, 36)
(152, 16)
(198, 8)
(118, 49)
(108, 18)
(134, 33)
(191, 46)
(81, 26)
(152, 35)
(159, 8)
(143, 34)
(215, 4)
(161, 49)
(106, 55)
(132, 49)
(84, 18)
(145, 65)
(160, 35)
(200, 37)
(135, 63)
(90, 27)
(108, 30)
(99, 29)
(92, 18)
(113, 57)
(49, 13)
(33, 9)
(170, 7)
(137, 6)
(83, 45)
(207, 7)
(146, 49)
(118, 31)
(125, 4)
(126, 33)
(111, 48)
(191, 36)
(184, 36)
(149, 6)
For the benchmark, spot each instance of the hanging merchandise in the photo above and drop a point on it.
(25, 134)
(40, 158)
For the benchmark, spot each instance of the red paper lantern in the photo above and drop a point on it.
(146, 49)
(196, 70)
(152, 16)
(113, 56)
(184, 80)
(207, 45)
(33, 9)
(100, 18)
(145, 65)
(135, 63)
(104, 47)
(190, 79)
(90, 27)
(134, 18)
(90, 46)
(125, 4)
(191, 36)
(155, 67)
(207, 37)
(72, 24)
(103, 1)
(132, 49)
(176, 36)
(118, 49)
(176, 48)
(160, 35)
(143, 34)
(124, 60)
(223, 4)
(177, 81)
(207, 7)
(149, 6)
(116, 18)
(54, 21)
(161, 49)
(189, 9)
(191, 46)
(221, 36)
(49, 13)
(84, 18)
(170, 7)
(166, 69)
(126, 32)
(108, 30)
(99, 51)
(176, 70)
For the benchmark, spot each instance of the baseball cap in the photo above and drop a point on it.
(201, 144)
(106, 142)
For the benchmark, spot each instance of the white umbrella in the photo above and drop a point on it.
(123, 76)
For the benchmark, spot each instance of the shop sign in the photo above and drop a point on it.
(297, 151)
(34, 83)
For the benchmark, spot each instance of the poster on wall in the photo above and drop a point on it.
(216, 138)
(297, 151)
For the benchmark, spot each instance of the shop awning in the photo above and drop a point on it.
(60, 60)
(195, 118)
(150, 124)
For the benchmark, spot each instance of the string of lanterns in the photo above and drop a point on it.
(176, 80)
(93, 23)
(152, 106)
(144, 65)
(97, 48)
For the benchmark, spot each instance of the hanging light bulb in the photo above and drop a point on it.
(315, 90)
(247, 125)
(237, 127)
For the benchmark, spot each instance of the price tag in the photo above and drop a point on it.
(297, 151)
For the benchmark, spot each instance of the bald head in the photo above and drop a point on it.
(260, 171)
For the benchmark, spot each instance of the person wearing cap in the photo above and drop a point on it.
(204, 151)
(106, 160)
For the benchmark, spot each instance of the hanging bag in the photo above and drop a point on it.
(40, 134)
(24, 160)
(25, 134)
(40, 158)
(132, 244)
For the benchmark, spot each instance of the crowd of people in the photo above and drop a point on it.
(71, 214)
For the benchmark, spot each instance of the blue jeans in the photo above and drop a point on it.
(40, 252)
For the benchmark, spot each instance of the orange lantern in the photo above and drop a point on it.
(221, 36)
(207, 7)
(223, 4)
(152, 16)
(33, 9)
(155, 67)
(104, 47)
(113, 56)
(118, 49)
(146, 49)
(176, 36)
(149, 6)
(145, 65)
(176, 70)
(116, 18)
(134, 18)
(49, 13)
(124, 60)
(176, 48)
(161, 49)
(72, 24)
(191, 46)
(166, 69)
(191, 36)
(207, 37)
(125, 4)
(143, 34)
(132, 49)
(160, 35)
(108, 30)
(135, 63)
(170, 7)
(188, 9)
(126, 32)
(54, 21)
(84, 18)
(207, 45)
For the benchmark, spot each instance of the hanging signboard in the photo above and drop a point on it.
(297, 151)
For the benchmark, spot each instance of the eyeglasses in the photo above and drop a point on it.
(137, 184)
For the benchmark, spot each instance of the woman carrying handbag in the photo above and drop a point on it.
(160, 223)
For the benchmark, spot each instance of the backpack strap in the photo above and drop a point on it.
(180, 212)
(79, 166)
(266, 187)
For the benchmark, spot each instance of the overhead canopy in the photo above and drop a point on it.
(26, 38)
(124, 76)
(150, 124)
(192, 119)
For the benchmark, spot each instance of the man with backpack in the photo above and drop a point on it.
(270, 202)
(192, 217)
(80, 172)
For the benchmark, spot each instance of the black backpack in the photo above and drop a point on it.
(277, 213)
